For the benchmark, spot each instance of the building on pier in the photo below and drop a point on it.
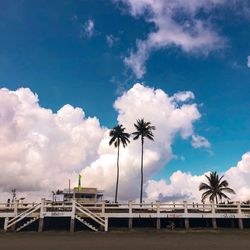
(83, 194)
(80, 194)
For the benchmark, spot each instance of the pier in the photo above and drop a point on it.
(101, 216)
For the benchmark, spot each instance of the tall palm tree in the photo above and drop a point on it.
(143, 130)
(118, 136)
(215, 188)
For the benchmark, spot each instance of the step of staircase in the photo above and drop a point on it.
(26, 224)
(86, 223)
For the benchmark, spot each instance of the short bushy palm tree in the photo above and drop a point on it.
(215, 188)
(143, 130)
(118, 136)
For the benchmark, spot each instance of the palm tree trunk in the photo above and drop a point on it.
(216, 199)
(117, 172)
(142, 142)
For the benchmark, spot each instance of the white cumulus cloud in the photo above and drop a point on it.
(40, 150)
(182, 186)
(239, 176)
(168, 118)
(185, 186)
(190, 33)
(248, 61)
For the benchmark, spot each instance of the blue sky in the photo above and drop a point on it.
(45, 46)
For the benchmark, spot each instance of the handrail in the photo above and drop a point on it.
(26, 211)
(95, 218)
(22, 216)
(92, 215)
(90, 212)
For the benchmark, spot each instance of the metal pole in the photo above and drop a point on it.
(69, 189)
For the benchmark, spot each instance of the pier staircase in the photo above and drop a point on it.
(89, 214)
(84, 222)
(27, 223)
(23, 215)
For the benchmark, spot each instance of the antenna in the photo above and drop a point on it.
(13, 194)
(69, 189)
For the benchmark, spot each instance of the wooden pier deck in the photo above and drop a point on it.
(96, 216)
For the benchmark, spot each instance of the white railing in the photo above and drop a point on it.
(100, 212)
(103, 209)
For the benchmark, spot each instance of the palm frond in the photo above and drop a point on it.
(204, 186)
(224, 183)
(228, 190)
(222, 195)
(112, 141)
(118, 136)
(205, 195)
(143, 129)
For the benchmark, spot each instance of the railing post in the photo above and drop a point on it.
(42, 207)
(238, 207)
(72, 219)
(130, 218)
(186, 219)
(158, 208)
(214, 222)
(240, 220)
(13, 227)
(130, 208)
(16, 208)
(185, 207)
(103, 208)
(6, 220)
(105, 227)
(158, 219)
(41, 219)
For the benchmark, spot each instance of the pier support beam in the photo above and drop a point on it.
(214, 223)
(41, 219)
(72, 225)
(106, 224)
(40, 225)
(130, 219)
(73, 214)
(240, 222)
(186, 222)
(13, 227)
(158, 219)
(130, 223)
(6, 223)
(158, 223)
